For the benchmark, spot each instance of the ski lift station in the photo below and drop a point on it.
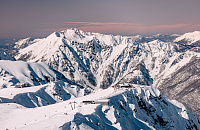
(102, 102)
(124, 86)
(22, 85)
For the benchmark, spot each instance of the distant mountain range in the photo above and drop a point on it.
(5, 55)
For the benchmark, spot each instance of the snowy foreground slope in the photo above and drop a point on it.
(42, 95)
(100, 61)
(133, 108)
(19, 73)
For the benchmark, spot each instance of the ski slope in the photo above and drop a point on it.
(140, 107)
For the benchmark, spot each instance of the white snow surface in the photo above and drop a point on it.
(42, 95)
(20, 72)
(192, 37)
(140, 107)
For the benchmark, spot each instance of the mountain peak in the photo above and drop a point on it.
(75, 29)
(192, 37)
(71, 30)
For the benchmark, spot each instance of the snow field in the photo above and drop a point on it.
(138, 108)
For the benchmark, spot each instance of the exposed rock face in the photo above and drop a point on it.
(184, 85)
(5, 56)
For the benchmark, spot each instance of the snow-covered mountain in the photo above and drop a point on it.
(100, 61)
(133, 108)
(189, 41)
(161, 37)
(191, 37)
(25, 74)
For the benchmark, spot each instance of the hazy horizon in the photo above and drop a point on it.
(37, 19)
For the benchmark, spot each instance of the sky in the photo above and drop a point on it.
(39, 18)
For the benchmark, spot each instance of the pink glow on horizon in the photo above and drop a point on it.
(130, 28)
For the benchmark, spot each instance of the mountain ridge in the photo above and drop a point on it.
(99, 61)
